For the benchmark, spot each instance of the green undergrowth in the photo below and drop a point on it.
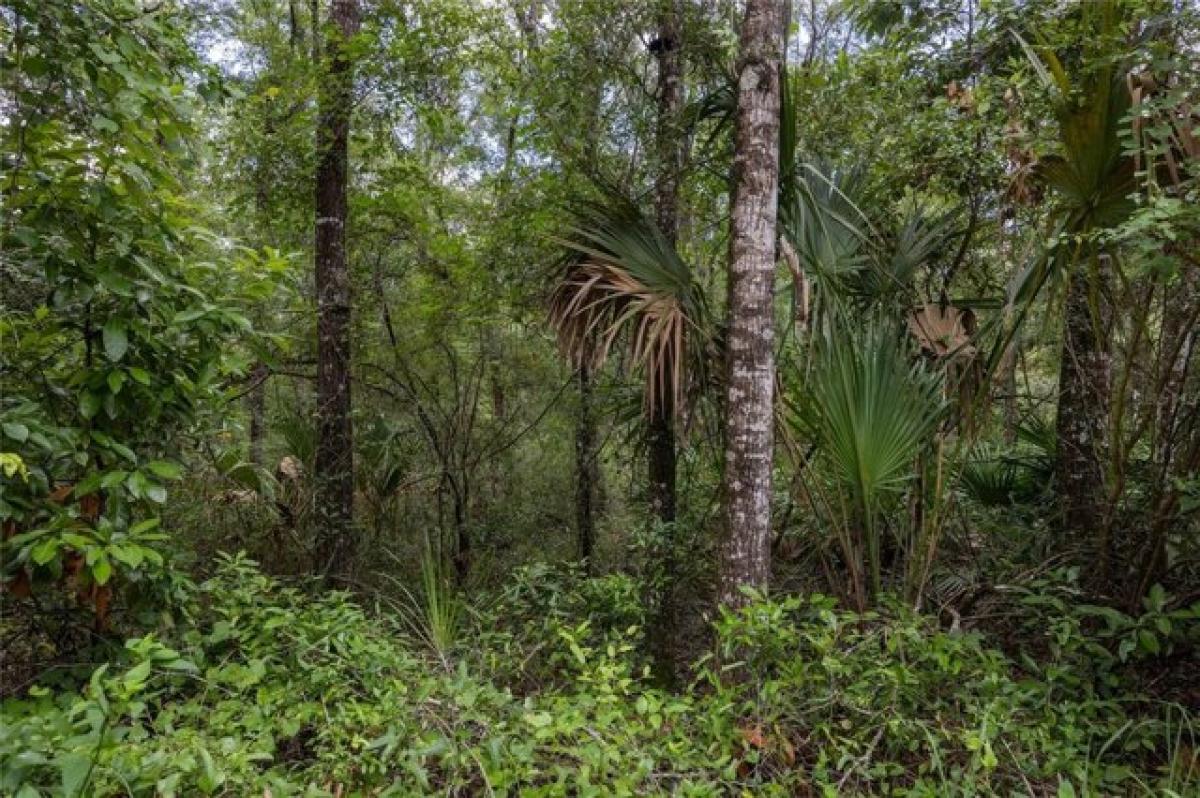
(268, 690)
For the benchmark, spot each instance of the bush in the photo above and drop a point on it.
(273, 691)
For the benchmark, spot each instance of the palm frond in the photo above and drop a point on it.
(824, 225)
(626, 285)
(874, 409)
(921, 236)
(990, 477)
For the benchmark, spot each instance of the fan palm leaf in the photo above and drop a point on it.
(826, 230)
(625, 284)
(871, 410)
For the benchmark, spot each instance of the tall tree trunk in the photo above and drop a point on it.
(664, 632)
(585, 470)
(295, 35)
(1084, 388)
(314, 10)
(745, 553)
(256, 399)
(661, 432)
(334, 465)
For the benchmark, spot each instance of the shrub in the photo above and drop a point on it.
(273, 691)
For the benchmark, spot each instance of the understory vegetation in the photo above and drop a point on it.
(598, 397)
(545, 692)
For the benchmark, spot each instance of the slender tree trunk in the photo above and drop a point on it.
(334, 465)
(1084, 388)
(314, 10)
(295, 35)
(661, 432)
(256, 399)
(745, 552)
(462, 536)
(1178, 341)
(585, 470)
(256, 406)
(664, 632)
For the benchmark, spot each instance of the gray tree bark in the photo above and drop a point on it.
(745, 551)
(334, 461)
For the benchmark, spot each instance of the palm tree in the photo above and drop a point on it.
(1092, 177)
(626, 286)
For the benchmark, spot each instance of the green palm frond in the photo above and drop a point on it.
(824, 225)
(625, 283)
(990, 477)
(875, 409)
(872, 409)
(921, 236)
(1091, 176)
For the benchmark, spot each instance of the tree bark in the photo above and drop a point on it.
(1174, 435)
(334, 462)
(256, 406)
(585, 471)
(661, 431)
(745, 552)
(1084, 388)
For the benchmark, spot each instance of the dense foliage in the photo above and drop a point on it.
(270, 689)
(589, 397)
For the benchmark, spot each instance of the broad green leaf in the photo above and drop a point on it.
(164, 470)
(74, 769)
(102, 571)
(18, 432)
(116, 339)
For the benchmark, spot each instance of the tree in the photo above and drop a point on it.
(117, 316)
(626, 281)
(1092, 178)
(586, 469)
(745, 548)
(334, 464)
(661, 429)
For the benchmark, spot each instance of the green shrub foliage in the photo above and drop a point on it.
(273, 691)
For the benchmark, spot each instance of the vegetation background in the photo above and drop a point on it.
(589, 397)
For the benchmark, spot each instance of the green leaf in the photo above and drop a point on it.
(156, 494)
(136, 676)
(18, 432)
(131, 556)
(102, 571)
(189, 315)
(116, 340)
(89, 404)
(45, 551)
(164, 470)
(538, 720)
(144, 526)
(74, 769)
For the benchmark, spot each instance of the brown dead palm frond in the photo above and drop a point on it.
(625, 285)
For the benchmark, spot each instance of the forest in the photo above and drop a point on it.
(600, 398)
